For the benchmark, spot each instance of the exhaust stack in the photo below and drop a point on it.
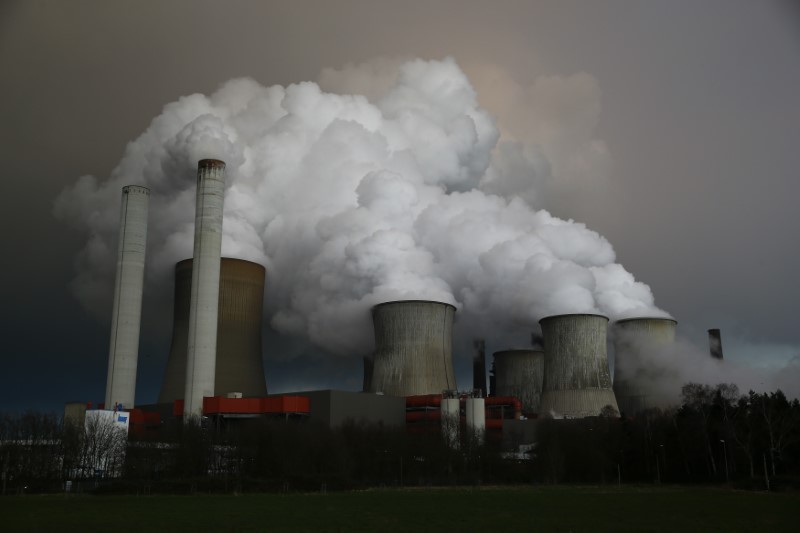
(126, 316)
(479, 366)
(204, 307)
(715, 343)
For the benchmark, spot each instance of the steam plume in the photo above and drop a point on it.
(413, 191)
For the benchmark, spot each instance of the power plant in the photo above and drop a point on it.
(123, 352)
(576, 382)
(413, 348)
(239, 365)
(215, 366)
(519, 373)
(637, 340)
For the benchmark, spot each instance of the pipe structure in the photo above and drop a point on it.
(475, 410)
(451, 421)
(637, 341)
(479, 366)
(126, 315)
(519, 373)
(576, 381)
(204, 304)
(239, 365)
(715, 343)
(413, 348)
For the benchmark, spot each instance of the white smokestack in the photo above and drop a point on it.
(201, 357)
(123, 352)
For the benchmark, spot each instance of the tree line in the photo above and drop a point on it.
(717, 435)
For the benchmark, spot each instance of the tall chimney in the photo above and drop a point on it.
(123, 352)
(201, 351)
(479, 366)
(715, 343)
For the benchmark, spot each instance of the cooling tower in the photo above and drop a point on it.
(519, 373)
(715, 343)
(479, 366)
(239, 367)
(637, 341)
(201, 352)
(123, 352)
(576, 380)
(413, 348)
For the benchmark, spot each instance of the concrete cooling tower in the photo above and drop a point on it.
(413, 348)
(123, 352)
(239, 366)
(576, 381)
(636, 342)
(519, 373)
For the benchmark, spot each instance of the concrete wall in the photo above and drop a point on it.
(333, 408)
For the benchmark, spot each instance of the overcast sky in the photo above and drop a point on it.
(699, 110)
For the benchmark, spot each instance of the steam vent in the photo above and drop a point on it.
(576, 381)
(519, 373)
(413, 348)
(635, 342)
(239, 365)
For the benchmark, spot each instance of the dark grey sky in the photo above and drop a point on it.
(700, 111)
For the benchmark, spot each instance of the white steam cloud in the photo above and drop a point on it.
(402, 187)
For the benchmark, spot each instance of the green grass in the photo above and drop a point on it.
(487, 509)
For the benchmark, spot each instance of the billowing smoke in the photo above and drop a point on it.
(659, 371)
(413, 191)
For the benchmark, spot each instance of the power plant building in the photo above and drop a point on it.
(636, 341)
(576, 382)
(123, 352)
(239, 364)
(413, 348)
(519, 373)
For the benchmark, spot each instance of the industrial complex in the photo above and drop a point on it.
(215, 367)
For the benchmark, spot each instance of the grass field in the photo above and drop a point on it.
(486, 509)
